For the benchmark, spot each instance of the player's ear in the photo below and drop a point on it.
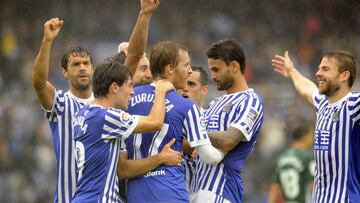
(235, 66)
(65, 73)
(204, 90)
(113, 88)
(168, 70)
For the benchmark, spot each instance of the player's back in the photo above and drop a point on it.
(97, 138)
(164, 184)
(294, 172)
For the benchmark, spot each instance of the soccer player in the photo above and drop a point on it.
(60, 105)
(168, 60)
(337, 140)
(233, 125)
(197, 87)
(142, 75)
(294, 173)
(99, 127)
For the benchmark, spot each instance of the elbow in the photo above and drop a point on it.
(122, 175)
(157, 126)
(213, 160)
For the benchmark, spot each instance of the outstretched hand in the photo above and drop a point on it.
(169, 156)
(283, 64)
(52, 28)
(149, 6)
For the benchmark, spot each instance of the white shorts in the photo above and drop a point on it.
(204, 196)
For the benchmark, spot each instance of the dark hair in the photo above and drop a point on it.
(299, 132)
(204, 77)
(74, 51)
(162, 54)
(346, 61)
(119, 58)
(105, 74)
(228, 50)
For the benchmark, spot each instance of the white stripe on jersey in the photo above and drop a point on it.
(224, 112)
(60, 118)
(334, 127)
(111, 176)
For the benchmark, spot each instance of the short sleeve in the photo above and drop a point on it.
(249, 117)
(118, 124)
(57, 108)
(195, 127)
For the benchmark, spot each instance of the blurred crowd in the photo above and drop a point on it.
(306, 28)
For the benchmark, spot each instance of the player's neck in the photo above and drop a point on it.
(104, 102)
(82, 94)
(239, 85)
(341, 93)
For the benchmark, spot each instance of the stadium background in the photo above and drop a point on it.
(306, 28)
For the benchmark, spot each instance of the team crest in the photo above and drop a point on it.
(335, 116)
(227, 107)
(125, 117)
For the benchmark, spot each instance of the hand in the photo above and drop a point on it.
(149, 6)
(164, 85)
(283, 64)
(52, 28)
(169, 156)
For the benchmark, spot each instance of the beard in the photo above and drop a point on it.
(81, 86)
(226, 84)
(330, 88)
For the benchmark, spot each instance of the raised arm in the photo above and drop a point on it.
(285, 67)
(44, 89)
(128, 168)
(155, 119)
(138, 38)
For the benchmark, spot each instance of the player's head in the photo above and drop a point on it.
(303, 134)
(142, 74)
(197, 85)
(336, 70)
(226, 59)
(77, 68)
(170, 60)
(112, 81)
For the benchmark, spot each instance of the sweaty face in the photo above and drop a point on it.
(328, 77)
(79, 72)
(142, 75)
(221, 74)
(182, 71)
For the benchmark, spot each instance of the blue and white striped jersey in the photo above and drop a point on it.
(337, 149)
(97, 138)
(190, 163)
(241, 110)
(182, 121)
(65, 105)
